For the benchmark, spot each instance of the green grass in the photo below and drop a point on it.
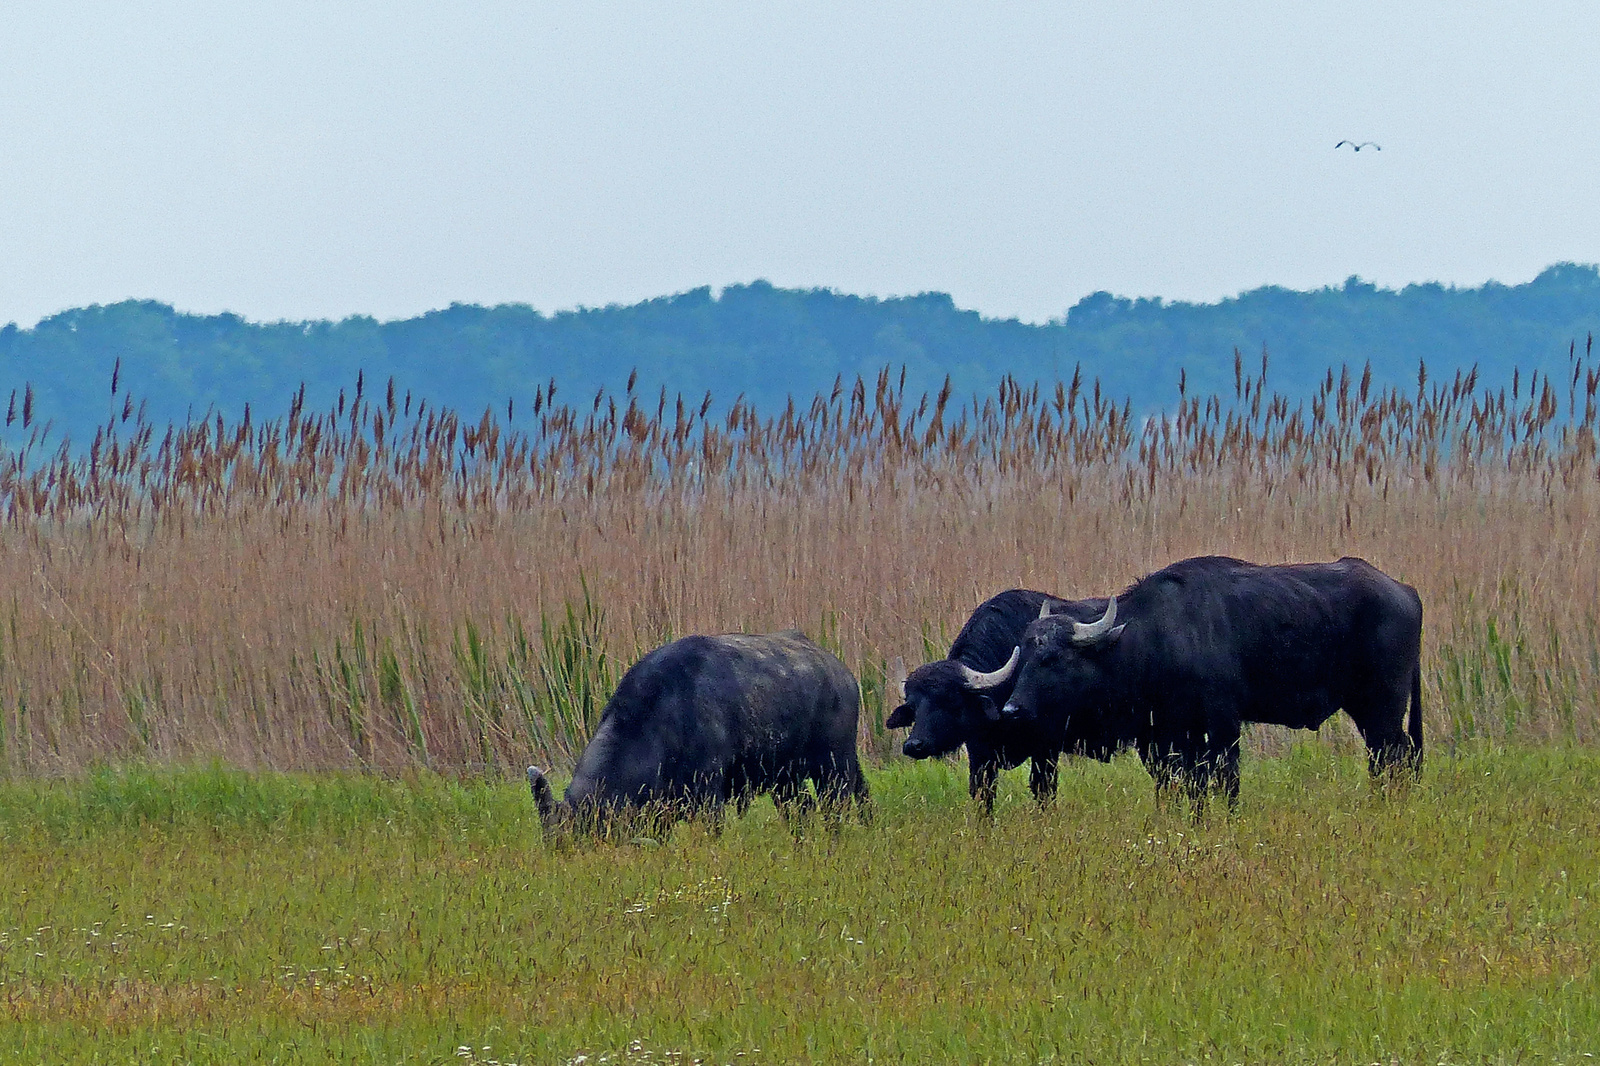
(211, 916)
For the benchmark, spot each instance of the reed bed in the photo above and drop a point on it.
(388, 585)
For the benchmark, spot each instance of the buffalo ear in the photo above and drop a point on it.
(901, 717)
(990, 711)
(1104, 643)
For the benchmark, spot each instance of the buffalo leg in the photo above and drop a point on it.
(1042, 774)
(794, 803)
(1197, 770)
(858, 793)
(841, 786)
(981, 783)
(1390, 755)
(716, 817)
(1165, 767)
(792, 798)
(1229, 772)
(707, 802)
(1221, 762)
(1210, 763)
(1215, 770)
(1390, 751)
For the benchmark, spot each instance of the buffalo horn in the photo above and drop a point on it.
(1086, 633)
(977, 679)
(1044, 608)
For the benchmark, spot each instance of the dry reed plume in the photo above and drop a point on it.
(385, 584)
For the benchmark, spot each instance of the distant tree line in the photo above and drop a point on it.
(767, 344)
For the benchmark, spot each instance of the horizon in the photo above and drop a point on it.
(717, 292)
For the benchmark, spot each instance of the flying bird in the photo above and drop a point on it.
(1358, 147)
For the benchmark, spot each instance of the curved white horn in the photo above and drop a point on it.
(977, 679)
(1084, 633)
(1044, 608)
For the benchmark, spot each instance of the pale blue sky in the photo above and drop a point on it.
(299, 159)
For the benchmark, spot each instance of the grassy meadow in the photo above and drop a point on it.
(218, 916)
(367, 620)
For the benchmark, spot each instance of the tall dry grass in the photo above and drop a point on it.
(386, 584)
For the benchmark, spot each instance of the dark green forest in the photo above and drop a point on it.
(767, 344)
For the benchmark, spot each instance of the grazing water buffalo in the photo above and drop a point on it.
(709, 719)
(957, 700)
(1185, 655)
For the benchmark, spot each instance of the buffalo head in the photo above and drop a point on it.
(1065, 664)
(572, 817)
(946, 702)
(555, 815)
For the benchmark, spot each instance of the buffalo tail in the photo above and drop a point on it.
(1414, 719)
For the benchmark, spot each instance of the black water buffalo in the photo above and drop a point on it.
(1185, 655)
(957, 700)
(709, 719)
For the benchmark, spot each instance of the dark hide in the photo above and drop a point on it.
(945, 712)
(1207, 644)
(710, 719)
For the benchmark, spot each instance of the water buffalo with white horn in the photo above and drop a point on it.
(706, 720)
(1183, 657)
(957, 700)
